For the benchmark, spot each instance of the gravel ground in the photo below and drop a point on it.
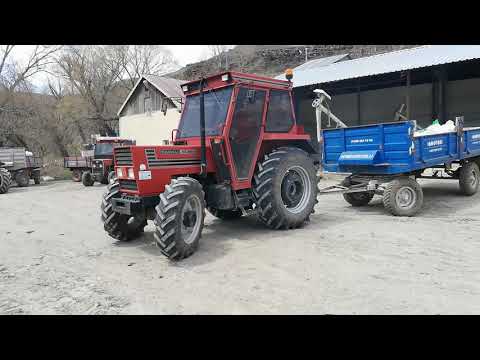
(56, 259)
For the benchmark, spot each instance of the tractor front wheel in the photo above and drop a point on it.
(36, 177)
(87, 179)
(180, 217)
(22, 179)
(285, 188)
(77, 175)
(5, 181)
(121, 227)
(225, 214)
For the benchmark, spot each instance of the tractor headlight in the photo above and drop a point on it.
(143, 167)
(131, 174)
(119, 173)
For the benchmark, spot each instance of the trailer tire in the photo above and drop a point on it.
(5, 180)
(285, 188)
(180, 217)
(121, 227)
(22, 179)
(469, 178)
(36, 177)
(87, 179)
(77, 175)
(359, 198)
(403, 197)
(225, 214)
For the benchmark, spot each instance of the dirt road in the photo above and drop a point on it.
(56, 259)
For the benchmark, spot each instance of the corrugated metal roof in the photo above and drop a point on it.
(412, 58)
(168, 86)
(316, 63)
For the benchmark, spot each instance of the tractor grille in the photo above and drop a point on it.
(128, 185)
(123, 156)
(153, 162)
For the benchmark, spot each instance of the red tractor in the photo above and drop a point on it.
(238, 149)
(102, 169)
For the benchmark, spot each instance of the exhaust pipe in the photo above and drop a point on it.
(203, 149)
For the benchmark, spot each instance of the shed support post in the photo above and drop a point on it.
(442, 93)
(359, 121)
(409, 112)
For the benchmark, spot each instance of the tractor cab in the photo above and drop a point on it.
(237, 149)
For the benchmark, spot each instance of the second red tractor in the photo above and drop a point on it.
(238, 149)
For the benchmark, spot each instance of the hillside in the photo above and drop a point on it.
(271, 60)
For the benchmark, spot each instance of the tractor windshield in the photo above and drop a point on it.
(103, 149)
(216, 107)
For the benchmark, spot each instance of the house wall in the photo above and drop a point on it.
(142, 101)
(149, 128)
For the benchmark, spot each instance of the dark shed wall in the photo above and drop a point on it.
(376, 106)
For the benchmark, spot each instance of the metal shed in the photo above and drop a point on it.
(427, 82)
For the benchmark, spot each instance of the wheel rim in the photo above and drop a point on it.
(406, 197)
(473, 178)
(191, 218)
(295, 189)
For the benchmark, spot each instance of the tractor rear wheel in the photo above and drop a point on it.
(22, 179)
(469, 178)
(358, 198)
(180, 217)
(36, 177)
(77, 175)
(121, 227)
(87, 179)
(225, 214)
(104, 180)
(5, 181)
(285, 188)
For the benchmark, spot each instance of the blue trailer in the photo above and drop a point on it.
(386, 159)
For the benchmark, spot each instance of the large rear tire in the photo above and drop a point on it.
(180, 217)
(285, 188)
(403, 197)
(22, 179)
(469, 178)
(5, 181)
(87, 179)
(225, 214)
(121, 227)
(359, 198)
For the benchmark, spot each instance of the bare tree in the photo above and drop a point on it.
(138, 60)
(93, 72)
(219, 53)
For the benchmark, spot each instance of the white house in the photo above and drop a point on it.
(151, 110)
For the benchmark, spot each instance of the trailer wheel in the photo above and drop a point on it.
(358, 198)
(36, 177)
(285, 188)
(180, 217)
(22, 179)
(87, 179)
(225, 214)
(469, 178)
(5, 181)
(77, 175)
(121, 227)
(403, 197)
